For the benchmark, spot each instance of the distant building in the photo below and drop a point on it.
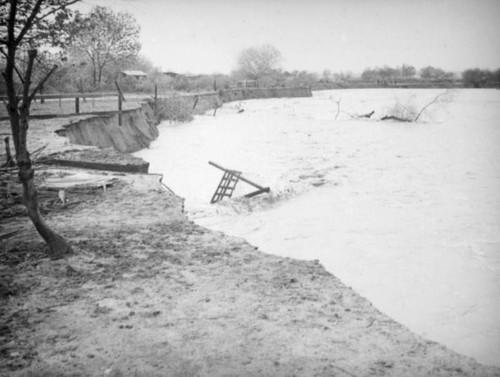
(136, 74)
(180, 75)
(247, 84)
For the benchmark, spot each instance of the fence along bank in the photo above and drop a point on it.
(138, 126)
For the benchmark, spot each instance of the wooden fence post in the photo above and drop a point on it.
(156, 100)
(120, 100)
(119, 110)
(42, 100)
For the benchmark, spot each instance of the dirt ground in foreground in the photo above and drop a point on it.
(149, 293)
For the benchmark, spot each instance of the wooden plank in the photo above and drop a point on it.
(221, 168)
(258, 192)
(240, 177)
(119, 110)
(228, 183)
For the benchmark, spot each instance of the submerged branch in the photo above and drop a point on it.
(392, 117)
(440, 97)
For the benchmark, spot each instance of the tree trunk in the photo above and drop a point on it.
(99, 68)
(58, 246)
(94, 72)
(19, 124)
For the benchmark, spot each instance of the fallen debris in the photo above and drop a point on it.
(229, 181)
(392, 117)
(369, 115)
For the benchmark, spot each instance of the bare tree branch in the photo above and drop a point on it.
(433, 101)
(29, 21)
(29, 71)
(19, 74)
(54, 10)
(33, 17)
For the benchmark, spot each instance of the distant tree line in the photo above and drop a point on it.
(477, 78)
(406, 73)
(481, 78)
(103, 43)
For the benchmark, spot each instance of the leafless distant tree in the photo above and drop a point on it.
(104, 38)
(257, 63)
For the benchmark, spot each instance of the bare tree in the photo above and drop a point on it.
(408, 112)
(105, 37)
(26, 25)
(257, 63)
(431, 73)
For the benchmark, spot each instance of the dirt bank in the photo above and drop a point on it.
(149, 293)
(136, 131)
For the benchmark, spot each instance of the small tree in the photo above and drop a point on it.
(105, 38)
(431, 73)
(300, 78)
(25, 26)
(478, 78)
(387, 73)
(370, 75)
(258, 63)
(407, 71)
(326, 76)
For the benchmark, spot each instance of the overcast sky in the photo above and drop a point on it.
(205, 36)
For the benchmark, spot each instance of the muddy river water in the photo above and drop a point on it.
(408, 214)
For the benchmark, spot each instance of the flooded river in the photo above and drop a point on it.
(408, 214)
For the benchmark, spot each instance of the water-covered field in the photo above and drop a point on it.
(408, 214)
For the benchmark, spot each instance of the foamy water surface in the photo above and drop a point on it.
(408, 214)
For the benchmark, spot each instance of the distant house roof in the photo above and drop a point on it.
(134, 73)
(171, 74)
(174, 75)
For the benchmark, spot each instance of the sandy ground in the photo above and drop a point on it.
(149, 293)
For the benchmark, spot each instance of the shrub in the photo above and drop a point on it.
(174, 108)
(408, 111)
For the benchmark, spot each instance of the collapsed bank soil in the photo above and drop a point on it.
(149, 293)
